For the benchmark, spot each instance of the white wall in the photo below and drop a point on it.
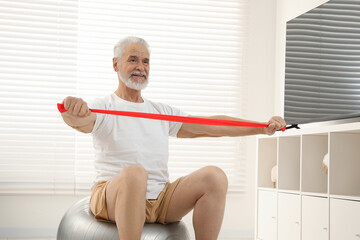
(259, 76)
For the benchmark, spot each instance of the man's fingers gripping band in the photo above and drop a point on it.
(172, 118)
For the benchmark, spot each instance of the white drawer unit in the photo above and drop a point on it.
(315, 218)
(344, 219)
(312, 202)
(289, 216)
(267, 215)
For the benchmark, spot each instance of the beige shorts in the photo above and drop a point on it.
(155, 209)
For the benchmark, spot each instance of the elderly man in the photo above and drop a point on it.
(131, 155)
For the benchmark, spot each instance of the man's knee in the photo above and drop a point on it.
(133, 177)
(215, 179)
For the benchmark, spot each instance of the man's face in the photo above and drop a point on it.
(135, 66)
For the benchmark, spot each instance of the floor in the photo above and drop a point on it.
(55, 239)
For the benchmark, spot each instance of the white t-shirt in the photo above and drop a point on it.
(124, 141)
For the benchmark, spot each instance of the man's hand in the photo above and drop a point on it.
(76, 107)
(275, 123)
(78, 115)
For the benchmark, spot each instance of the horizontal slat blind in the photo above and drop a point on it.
(196, 54)
(38, 58)
(323, 62)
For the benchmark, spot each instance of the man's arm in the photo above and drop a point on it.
(78, 115)
(188, 130)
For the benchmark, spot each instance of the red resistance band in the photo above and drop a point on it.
(172, 118)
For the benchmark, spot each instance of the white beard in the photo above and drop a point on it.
(136, 85)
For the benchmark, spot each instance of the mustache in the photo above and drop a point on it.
(135, 72)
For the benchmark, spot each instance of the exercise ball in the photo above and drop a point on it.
(79, 223)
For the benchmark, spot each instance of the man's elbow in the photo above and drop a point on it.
(82, 129)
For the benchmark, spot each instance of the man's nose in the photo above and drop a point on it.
(140, 67)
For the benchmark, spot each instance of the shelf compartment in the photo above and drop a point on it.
(313, 177)
(289, 163)
(344, 165)
(267, 159)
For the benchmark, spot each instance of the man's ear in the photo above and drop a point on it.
(115, 64)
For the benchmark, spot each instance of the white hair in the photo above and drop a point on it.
(120, 46)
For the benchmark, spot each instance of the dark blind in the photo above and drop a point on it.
(322, 74)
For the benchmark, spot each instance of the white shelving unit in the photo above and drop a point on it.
(307, 203)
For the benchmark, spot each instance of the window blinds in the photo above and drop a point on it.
(53, 49)
(38, 44)
(322, 76)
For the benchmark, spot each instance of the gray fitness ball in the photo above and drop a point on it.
(79, 223)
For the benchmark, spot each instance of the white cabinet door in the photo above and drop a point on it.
(266, 215)
(289, 216)
(314, 221)
(344, 220)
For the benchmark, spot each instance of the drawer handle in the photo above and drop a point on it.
(297, 223)
(273, 217)
(357, 235)
(325, 228)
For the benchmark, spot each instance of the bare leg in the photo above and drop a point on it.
(125, 199)
(205, 191)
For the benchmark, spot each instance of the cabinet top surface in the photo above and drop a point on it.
(318, 129)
